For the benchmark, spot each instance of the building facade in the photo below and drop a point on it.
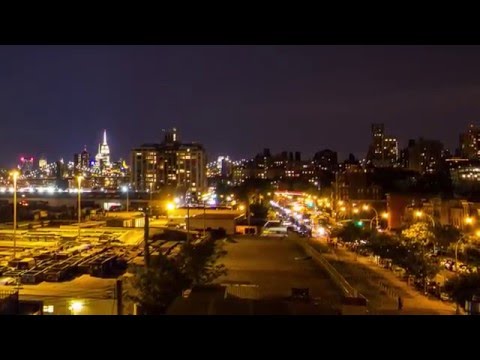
(383, 151)
(170, 163)
(425, 156)
(102, 158)
(470, 143)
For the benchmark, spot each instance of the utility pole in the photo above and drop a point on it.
(15, 177)
(188, 222)
(146, 233)
(248, 209)
(204, 212)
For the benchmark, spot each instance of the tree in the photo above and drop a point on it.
(417, 264)
(386, 246)
(166, 278)
(463, 287)
(446, 236)
(199, 262)
(419, 233)
(350, 232)
(408, 255)
(158, 285)
(259, 211)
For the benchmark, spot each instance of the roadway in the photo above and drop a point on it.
(276, 265)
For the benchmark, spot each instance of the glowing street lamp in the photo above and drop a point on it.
(469, 220)
(241, 207)
(15, 175)
(419, 214)
(366, 207)
(125, 190)
(385, 215)
(170, 207)
(75, 307)
(356, 211)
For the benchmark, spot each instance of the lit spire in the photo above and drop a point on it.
(104, 137)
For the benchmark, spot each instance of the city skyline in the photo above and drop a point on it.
(229, 98)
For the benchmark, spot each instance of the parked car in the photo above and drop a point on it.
(444, 296)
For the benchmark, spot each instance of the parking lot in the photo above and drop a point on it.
(56, 266)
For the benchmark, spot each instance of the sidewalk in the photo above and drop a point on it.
(382, 287)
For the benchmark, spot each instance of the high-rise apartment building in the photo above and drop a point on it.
(424, 156)
(326, 160)
(171, 163)
(383, 151)
(470, 143)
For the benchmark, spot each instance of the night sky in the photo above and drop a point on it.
(235, 100)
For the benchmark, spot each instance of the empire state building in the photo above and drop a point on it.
(103, 156)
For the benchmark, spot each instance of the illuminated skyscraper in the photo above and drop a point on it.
(103, 156)
(82, 161)
(383, 151)
(26, 164)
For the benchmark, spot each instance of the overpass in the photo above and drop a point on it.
(94, 198)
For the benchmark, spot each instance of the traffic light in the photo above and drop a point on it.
(359, 223)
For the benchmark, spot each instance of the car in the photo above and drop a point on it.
(8, 281)
(444, 296)
(450, 265)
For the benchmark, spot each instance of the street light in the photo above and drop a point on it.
(125, 189)
(367, 207)
(76, 306)
(79, 207)
(188, 222)
(170, 207)
(15, 175)
(204, 199)
(386, 215)
(419, 214)
(469, 220)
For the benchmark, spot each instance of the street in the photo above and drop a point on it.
(276, 265)
(381, 286)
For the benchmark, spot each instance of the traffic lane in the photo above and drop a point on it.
(276, 265)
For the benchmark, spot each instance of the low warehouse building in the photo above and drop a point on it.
(215, 222)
